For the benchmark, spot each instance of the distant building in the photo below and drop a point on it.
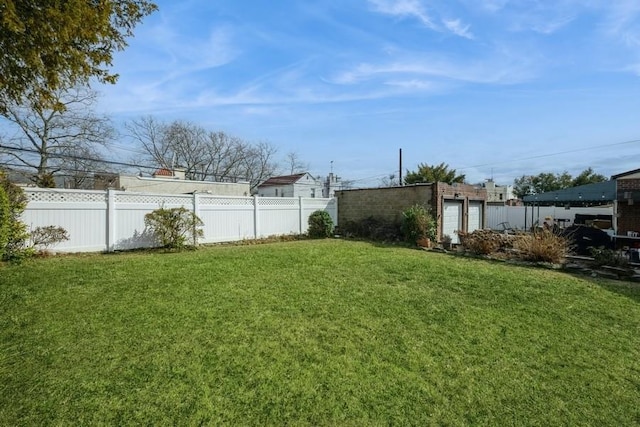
(165, 181)
(499, 194)
(332, 184)
(297, 185)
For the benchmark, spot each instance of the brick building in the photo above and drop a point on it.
(627, 202)
(456, 207)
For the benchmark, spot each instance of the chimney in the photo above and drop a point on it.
(179, 174)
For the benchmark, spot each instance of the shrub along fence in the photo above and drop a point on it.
(114, 220)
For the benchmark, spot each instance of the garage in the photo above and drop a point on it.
(452, 220)
(475, 217)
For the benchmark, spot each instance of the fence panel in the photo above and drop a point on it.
(309, 206)
(82, 213)
(114, 220)
(515, 215)
(278, 215)
(226, 219)
(130, 209)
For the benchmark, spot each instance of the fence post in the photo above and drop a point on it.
(196, 207)
(111, 220)
(256, 218)
(300, 213)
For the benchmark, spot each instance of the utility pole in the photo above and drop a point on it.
(400, 174)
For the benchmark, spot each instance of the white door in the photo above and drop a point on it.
(452, 220)
(475, 217)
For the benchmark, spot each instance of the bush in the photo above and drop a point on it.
(43, 237)
(602, 256)
(418, 223)
(542, 247)
(320, 225)
(485, 242)
(174, 228)
(373, 228)
(16, 235)
(4, 221)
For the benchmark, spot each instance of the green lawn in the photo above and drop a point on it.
(313, 333)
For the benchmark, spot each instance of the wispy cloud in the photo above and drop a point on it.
(550, 26)
(404, 8)
(622, 22)
(414, 84)
(491, 5)
(416, 9)
(457, 28)
(499, 70)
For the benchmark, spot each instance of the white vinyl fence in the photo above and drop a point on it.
(114, 220)
(515, 215)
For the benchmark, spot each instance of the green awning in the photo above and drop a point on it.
(598, 193)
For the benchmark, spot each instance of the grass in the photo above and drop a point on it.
(313, 333)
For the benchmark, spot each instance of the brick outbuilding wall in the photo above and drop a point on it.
(388, 203)
(383, 203)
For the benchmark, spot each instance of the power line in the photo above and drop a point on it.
(541, 156)
(110, 162)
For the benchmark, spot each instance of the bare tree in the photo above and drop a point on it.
(149, 134)
(187, 144)
(214, 156)
(295, 164)
(80, 165)
(227, 155)
(42, 138)
(389, 181)
(259, 164)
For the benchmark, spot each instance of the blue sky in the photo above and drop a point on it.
(491, 87)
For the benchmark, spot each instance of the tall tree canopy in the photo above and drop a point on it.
(51, 45)
(435, 173)
(546, 181)
(587, 176)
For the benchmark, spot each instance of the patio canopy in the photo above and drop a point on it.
(598, 193)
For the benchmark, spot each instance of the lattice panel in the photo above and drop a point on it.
(66, 197)
(264, 201)
(225, 201)
(153, 199)
(318, 203)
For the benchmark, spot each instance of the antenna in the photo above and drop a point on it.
(331, 166)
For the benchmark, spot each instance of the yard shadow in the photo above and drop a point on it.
(625, 288)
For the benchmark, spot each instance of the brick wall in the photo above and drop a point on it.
(388, 203)
(383, 203)
(628, 214)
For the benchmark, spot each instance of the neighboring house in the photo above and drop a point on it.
(297, 185)
(455, 207)
(165, 181)
(499, 194)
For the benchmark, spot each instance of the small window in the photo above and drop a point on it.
(276, 192)
(313, 193)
